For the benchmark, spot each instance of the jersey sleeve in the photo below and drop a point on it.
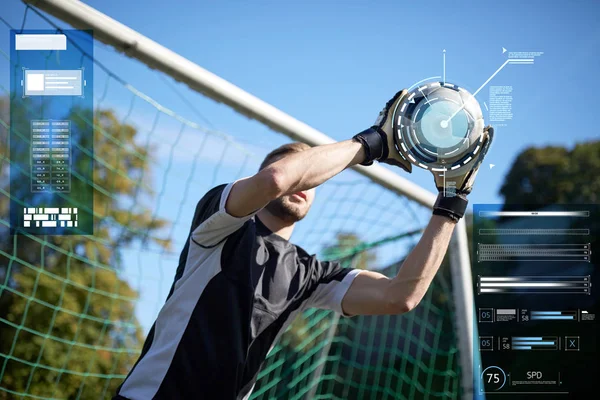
(331, 286)
(211, 223)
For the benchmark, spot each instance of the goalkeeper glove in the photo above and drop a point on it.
(378, 141)
(455, 185)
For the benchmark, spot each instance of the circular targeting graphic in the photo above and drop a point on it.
(493, 378)
(438, 126)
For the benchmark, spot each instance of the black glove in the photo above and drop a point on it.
(454, 186)
(378, 141)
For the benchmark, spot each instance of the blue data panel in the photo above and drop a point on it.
(535, 281)
(51, 135)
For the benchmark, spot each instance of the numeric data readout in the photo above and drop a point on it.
(536, 289)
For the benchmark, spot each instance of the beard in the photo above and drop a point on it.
(286, 210)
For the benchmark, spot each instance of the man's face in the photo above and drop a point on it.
(293, 207)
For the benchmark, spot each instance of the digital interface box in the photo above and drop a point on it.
(535, 284)
(51, 139)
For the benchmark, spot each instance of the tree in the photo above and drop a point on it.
(554, 175)
(67, 322)
(348, 245)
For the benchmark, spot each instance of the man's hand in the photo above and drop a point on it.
(462, 179)
(312, 167)
(454, 186)
(373, 293)
(378, 140)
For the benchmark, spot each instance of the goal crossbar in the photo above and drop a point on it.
(156, 56)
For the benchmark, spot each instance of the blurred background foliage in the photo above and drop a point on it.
(66, 316)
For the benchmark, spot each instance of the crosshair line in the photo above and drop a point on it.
(480, 87)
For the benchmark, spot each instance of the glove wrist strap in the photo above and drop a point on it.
(452, 207)
(374, 143)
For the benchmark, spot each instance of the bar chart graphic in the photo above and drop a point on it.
(534, 271)
(533, 252)
(534, 284)
(534, 343)
(582, 213)
(534, 232)
(553, 316)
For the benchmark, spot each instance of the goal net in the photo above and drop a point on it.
(74, 309)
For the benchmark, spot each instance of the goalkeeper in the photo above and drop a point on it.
(240, 281)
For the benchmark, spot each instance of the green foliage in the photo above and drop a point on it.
(67, 323)
(348, 243)
(554, 175)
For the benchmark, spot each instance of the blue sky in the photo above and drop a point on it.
(333, 65)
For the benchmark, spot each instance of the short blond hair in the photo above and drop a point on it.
(281, 151)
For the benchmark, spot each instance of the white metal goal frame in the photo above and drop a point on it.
(136, 45)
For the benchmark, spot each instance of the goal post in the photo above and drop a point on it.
(135, 45)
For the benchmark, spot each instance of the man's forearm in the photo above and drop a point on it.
(419, 268)
(310, 168)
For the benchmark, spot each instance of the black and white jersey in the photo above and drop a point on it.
(237, 287)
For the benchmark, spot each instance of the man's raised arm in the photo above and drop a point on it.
(372, 293)
(291, 174)
(307, 169)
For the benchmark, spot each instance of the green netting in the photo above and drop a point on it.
(387, 357)
(74, 310)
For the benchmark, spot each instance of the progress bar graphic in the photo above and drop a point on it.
(534, 285)
(553, 316)
(536, 232)
(537, 313)
(535, 343)
(534, 213)
(533, 252)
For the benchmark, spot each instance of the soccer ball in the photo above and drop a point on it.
(438, 126)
